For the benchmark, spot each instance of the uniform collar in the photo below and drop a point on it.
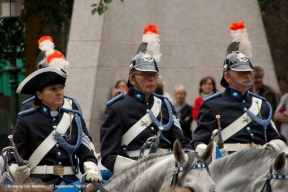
(236, 94)
(136, 94)
(46, 110)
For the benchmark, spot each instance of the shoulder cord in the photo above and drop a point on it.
(159, 124)
(263, 122)
(71, 148)
(161, 135)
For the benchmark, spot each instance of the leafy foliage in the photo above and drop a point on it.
(11, 39)
(55, 16)
(275, 19)
(101, 7)
(262, 4)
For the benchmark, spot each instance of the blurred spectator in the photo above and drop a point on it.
(259, 88)
(120, 86)
(281, 115)
(207, 87)
(161, 91)
(183, 110)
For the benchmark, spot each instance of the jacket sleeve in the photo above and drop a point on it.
(84, 152)
(20, 138)
(271, 132)
(206, 125)
(110, 137)
(176, 133)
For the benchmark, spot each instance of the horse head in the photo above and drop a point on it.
(155, 172)
(239, 170)
(193, 166)
(276, 178)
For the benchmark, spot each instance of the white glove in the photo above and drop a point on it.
(224, 151)
(91, 171)
(19, 173)
(274, 145)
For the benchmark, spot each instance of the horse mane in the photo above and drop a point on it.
(140, 164)
(146, 162)
(241, 157)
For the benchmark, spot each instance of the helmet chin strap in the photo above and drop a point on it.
(246, 85)
(145, 93)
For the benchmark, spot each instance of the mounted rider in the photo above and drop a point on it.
(245, 117)
(52, 135)
(131, 119)
(46, 46)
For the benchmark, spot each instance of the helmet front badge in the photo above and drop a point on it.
(242, 57)
(147, 57)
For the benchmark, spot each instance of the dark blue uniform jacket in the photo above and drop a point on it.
(120, 116)
(33, 128)
(230, 106)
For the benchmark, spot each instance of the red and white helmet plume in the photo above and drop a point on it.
(151, 36)
(46, 44)
(57, 60)
(239, 34)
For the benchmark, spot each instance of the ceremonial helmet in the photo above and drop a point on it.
(148, 52)
(238, 52)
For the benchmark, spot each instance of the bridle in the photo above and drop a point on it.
(267, 185)
(175, 178)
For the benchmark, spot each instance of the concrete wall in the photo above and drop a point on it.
(194, 36)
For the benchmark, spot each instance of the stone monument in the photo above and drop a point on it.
(194, 36)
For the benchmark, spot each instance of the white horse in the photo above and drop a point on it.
(251, 170)
(159, 171)
(276, 178)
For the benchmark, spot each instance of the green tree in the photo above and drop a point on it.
(101, 7)
(55, 19)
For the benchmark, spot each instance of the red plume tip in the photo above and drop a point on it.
(152, 28)
(44, 38)
(56, 54)
(237, 26)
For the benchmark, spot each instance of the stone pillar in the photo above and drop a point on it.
(194, 36)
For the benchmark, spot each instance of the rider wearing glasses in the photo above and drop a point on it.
(245, 117)
(131, 119)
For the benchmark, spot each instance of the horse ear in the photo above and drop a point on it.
(178, 152)
(279, 162)
(206, 156)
